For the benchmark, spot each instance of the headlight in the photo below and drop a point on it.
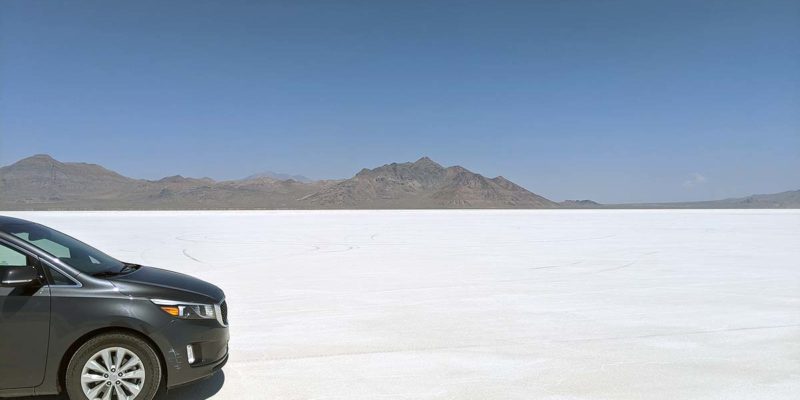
(186, 310)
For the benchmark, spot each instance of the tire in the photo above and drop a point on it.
(140, 365)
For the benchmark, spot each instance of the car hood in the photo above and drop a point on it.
(162, 284)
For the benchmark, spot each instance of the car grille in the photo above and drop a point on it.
(223, 308)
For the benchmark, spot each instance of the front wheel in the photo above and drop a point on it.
(114, 366)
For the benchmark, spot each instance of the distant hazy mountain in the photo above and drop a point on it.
(425, 184)
(277, 176)
(579, 204)
(790, 199)
(41, 182)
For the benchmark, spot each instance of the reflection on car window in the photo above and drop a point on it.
(11, 258)
(47, 245)
(67, 249)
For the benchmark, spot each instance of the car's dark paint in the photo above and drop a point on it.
(24, 331)
(49, 323)
(156, 281)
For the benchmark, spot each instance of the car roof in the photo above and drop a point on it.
(4, 220)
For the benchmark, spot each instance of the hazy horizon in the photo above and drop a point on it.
(614, 101)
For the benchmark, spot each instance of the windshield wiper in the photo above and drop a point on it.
(126, 269)
(102, 274)
(129, 268)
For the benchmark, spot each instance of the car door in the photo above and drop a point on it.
(24, 323)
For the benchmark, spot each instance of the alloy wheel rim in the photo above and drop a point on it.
(114, 373)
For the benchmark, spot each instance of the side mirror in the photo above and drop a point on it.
(17, 276)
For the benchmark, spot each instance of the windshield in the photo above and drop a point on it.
(71, 251)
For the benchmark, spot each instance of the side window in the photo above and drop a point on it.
(11, 258)
(60, 279)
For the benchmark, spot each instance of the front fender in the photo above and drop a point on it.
(78, 314)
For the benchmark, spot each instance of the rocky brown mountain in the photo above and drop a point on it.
(42, 179)
(425, 184)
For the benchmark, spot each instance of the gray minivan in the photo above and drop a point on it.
(74, 320)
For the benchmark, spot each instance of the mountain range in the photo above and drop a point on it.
(42, 183)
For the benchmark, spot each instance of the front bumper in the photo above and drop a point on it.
(210, 343)
(200, 372)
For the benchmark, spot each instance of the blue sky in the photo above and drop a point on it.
(614, 101)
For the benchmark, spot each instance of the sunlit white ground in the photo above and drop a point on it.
(486, 304)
